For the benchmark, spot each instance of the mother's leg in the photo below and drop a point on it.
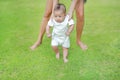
(44, 22)
(80, 22)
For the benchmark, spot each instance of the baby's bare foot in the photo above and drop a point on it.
(57, 56)
(65, 60)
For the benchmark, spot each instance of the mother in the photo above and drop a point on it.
(78, 6)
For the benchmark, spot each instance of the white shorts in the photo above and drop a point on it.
(65, 42)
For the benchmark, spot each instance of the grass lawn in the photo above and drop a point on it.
(19, 28)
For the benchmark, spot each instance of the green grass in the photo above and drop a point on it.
(19, 28)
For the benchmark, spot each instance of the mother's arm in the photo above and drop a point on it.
(55, 2)
(72, 7)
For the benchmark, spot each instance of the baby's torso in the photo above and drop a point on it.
(60, 28)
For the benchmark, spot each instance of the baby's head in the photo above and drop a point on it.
(59, 13)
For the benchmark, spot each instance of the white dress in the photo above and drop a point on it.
(59, 36)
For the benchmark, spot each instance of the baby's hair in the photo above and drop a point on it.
(60, 6)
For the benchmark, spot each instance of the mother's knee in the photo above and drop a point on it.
(80, 13)
(47, 14)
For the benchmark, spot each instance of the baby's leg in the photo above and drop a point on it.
(65, 54)
(56, 50)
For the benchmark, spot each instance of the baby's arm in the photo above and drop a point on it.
(48, 31)
(50, 24)
(70, 30)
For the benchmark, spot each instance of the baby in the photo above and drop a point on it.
(62, 27)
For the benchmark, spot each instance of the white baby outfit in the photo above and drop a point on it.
(59, 36)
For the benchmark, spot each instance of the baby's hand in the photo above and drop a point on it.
(49, 35)
(68, 33)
